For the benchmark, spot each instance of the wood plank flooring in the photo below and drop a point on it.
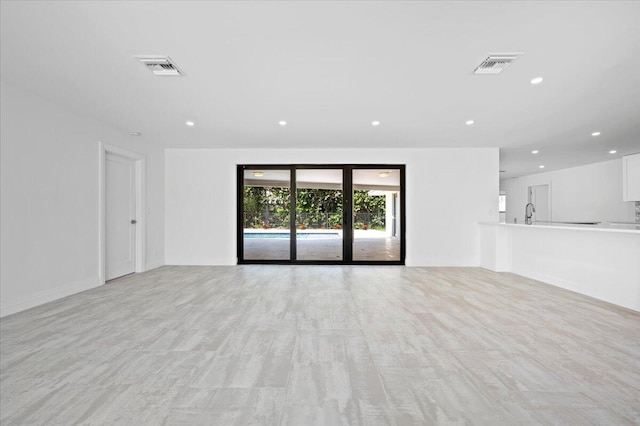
(321, 345)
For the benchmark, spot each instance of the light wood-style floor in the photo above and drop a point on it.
(321, 345)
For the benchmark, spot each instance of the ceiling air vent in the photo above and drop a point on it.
(160, 65)
(495, 64)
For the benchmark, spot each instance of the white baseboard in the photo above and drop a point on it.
(627, 294)
(419, 263)
(8, 307)
(202, 262)
(153, 264)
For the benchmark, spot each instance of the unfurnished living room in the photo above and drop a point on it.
(320, 213)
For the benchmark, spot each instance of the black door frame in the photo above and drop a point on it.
(347, 214)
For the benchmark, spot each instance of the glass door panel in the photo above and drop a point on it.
(319, 214)
(266, 214)
(376, 214)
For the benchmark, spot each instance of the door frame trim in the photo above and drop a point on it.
(548, 185)
(139, 162)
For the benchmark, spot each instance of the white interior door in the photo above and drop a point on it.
(120, 228)
(539, 197)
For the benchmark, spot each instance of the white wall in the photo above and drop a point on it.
(448, 191)
(49, 199)
(591, 193)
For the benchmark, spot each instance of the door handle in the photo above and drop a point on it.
(133, 221)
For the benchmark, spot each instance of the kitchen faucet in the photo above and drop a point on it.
(528, 213)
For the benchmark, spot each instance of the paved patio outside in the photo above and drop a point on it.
(368, 245)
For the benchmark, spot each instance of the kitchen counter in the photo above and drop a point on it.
(595, 260)
(607, 227)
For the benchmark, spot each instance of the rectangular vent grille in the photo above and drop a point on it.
(495, 64)
(160, 65)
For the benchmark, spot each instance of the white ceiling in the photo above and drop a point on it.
(330, 68)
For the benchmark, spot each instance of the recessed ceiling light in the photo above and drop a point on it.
(541, 166)
(536, 80)
(613, 151)
(258, 174)
(595, 134)
(190, 123)
(469, 122)
(375, 123)
(384, 174)
(535, 151)
(134, 133)
(282, 123)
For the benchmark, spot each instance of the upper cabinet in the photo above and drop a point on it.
(631, 177)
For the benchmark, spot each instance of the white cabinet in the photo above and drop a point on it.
(631, 177)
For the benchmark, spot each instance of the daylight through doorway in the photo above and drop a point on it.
(325, 214)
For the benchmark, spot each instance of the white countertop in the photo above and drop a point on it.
(629, 229)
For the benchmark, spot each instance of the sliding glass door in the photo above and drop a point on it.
(376, 218)
(319, 214)
(266, 216)
(327, 214)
